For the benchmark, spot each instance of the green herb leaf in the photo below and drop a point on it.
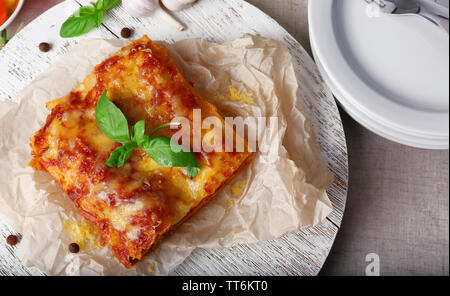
(192, 171)
(3, 40)
(160, 150)
(137, 133)
(107, 4)
(99, 18)
(162, 126)
(81, 22)
(111, 120)
(4, 36)
(120, 155)
(86, 18)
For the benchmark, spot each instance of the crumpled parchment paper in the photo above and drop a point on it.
(279, 192)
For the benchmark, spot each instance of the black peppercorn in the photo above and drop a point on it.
(74, 248)
(126, 32)
(44, 47)
(12, 240)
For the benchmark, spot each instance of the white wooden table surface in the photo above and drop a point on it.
(299, 253)
(398, 200)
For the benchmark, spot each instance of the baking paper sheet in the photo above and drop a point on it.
(278, 193)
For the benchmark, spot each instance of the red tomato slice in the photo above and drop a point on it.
(3, 12)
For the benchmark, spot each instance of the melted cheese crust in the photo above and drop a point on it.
(132, 207)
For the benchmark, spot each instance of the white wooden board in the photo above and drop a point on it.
(299, 253)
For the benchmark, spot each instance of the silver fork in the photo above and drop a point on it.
(413, 7)
(385, 6)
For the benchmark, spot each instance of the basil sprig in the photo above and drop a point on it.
(4, 40)
(111, 120)
(162, 150)
(86, 18)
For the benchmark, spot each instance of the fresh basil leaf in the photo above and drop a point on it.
(120, 155)
(85, 11)
(137, 133)
(160, 150)
(99, 18)
(4, 37)
(162, 126)
(192, 171)
(107, 4)
(111, 120)
(81, 22)
(99, 5)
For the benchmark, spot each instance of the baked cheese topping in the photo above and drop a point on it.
(135, 205)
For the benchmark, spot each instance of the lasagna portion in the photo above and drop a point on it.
(133, 206)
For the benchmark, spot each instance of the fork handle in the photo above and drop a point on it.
(433, 18)
(435, 8)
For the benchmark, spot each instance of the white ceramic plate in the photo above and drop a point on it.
(384, 131)
(389, 72)
(13, 16)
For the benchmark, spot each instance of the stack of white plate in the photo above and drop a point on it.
(389, 72)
